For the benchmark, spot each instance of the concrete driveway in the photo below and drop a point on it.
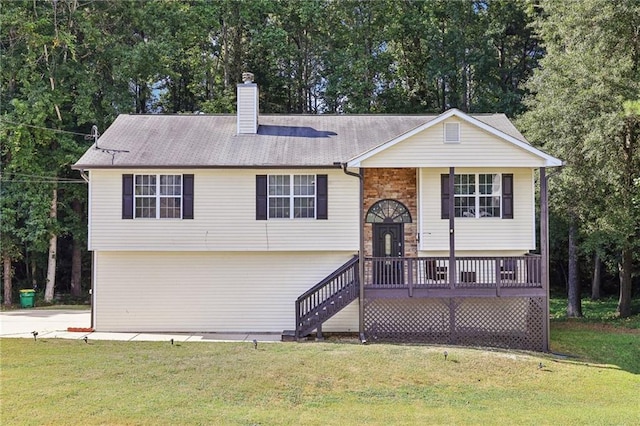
(53, 323)
(47, 322)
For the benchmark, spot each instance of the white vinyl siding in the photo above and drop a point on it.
(210, 292)
(225, 216)
(481, 235)
(477, 148)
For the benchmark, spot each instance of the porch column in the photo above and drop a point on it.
(361, 259)
(452, 237)
(544, 251)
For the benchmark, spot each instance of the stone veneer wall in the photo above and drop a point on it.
(395, 184)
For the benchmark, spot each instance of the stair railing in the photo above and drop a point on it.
(327, 298)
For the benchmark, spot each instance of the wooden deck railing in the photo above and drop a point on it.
(470, 273)
(327, 298)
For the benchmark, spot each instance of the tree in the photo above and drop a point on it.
(474, 55)
(577, 113)
(60, 78)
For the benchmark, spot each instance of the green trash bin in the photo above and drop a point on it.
(27, 298)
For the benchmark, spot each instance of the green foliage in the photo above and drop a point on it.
(68, 65)
(582, 111)
(596, 312)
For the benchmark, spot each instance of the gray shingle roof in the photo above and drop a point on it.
(282, 140)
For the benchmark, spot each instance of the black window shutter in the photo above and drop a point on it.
(127, 196)
(322, 208)
(444, 195)
(507, 196)
(187, 196)
(261, 197)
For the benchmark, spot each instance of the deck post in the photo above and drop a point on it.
(319, 336)
(544, 252)
(409, 264)
(452, 237)
(361, 260)
(498, 273)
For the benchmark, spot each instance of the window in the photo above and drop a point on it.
(157, 196)
(291, 197)
(479, 195)
(385, 211)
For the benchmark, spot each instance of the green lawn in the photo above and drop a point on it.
(599, 336)
(70, 382)
(596, 380)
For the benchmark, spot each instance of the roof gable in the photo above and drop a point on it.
(507, 134)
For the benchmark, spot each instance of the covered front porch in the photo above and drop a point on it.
(489, 301)
(447, 230)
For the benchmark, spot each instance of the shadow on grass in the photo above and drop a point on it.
(599, 344)
(599, 336)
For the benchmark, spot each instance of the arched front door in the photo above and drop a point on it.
(388, 218)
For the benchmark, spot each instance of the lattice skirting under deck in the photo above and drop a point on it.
(516, 323)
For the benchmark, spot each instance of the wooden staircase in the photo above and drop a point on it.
(327, 298)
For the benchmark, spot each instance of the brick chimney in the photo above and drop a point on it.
(247, 105)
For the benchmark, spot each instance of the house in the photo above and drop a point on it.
(415, 227)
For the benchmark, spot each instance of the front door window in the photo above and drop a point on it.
(387, 244)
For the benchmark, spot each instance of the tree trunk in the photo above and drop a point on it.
(574, 305)
(625, 265)
(8, 279)
(76, 269)
(597, 277)
(34, 270)
(53, 247)
(76, 256)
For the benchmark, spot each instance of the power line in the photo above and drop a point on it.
(45, 128)
(39, 177)
(41, 181)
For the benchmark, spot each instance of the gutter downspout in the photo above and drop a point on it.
(360, 250)
(85, 177)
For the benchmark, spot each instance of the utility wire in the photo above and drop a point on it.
(38, 177)
(44, 128)
(40, 181)
(27, 178)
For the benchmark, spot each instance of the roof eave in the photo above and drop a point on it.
(203, 166)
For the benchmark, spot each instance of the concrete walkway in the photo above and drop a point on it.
(53, 324)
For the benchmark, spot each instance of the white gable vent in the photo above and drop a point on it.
(451, 132)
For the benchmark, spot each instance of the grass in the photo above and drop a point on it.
(599, 336)
(55, 381)
(601, 311)
(102, 382)
(48, 307)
